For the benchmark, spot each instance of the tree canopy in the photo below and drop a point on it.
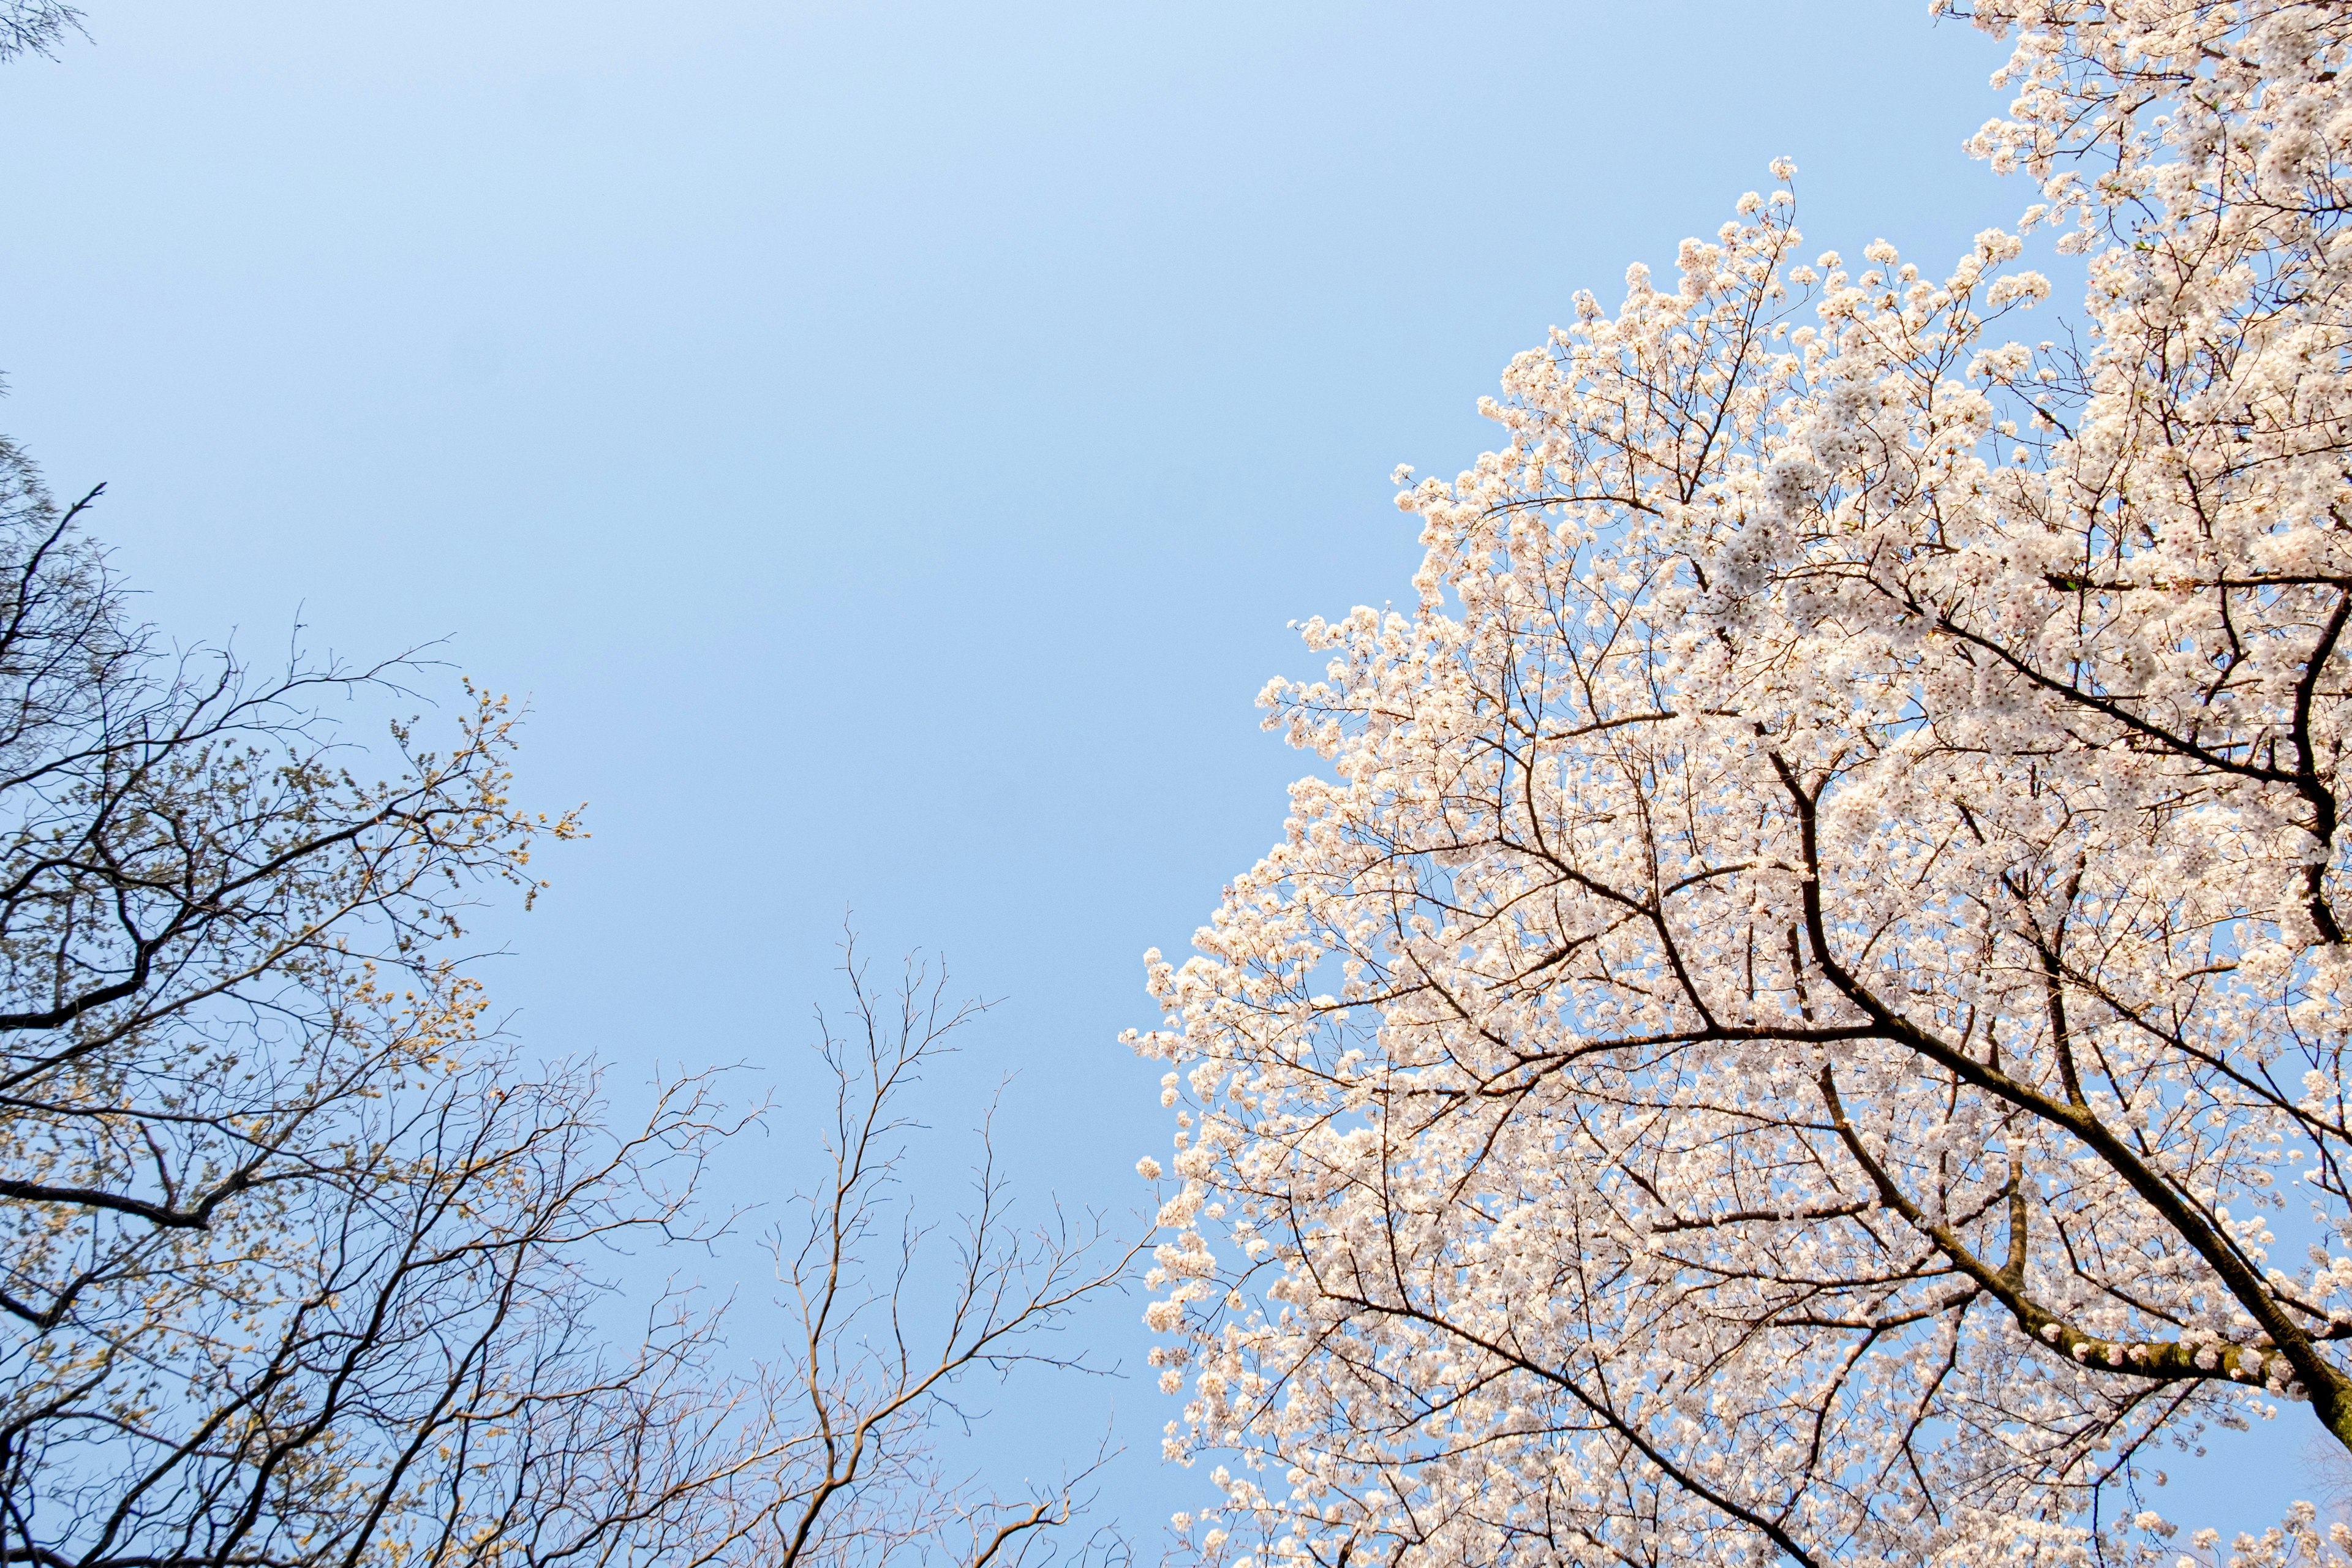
(1804, 1018)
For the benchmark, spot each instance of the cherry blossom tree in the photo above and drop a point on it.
(1804, 1018)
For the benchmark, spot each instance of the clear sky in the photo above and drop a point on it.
(885, 443)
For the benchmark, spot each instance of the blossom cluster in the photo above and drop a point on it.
(1816, 967)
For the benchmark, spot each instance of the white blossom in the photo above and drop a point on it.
(1783, 1028)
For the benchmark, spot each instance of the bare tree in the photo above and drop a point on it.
(35, 27)
(884, 1356)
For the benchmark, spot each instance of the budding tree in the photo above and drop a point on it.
(300, 1267)
(303, 1270)
(1805, 1018)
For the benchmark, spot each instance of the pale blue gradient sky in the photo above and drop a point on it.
(885, 443)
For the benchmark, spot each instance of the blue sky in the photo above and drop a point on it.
(884, 444)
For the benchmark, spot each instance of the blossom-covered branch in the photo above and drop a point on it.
(1820, 953)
